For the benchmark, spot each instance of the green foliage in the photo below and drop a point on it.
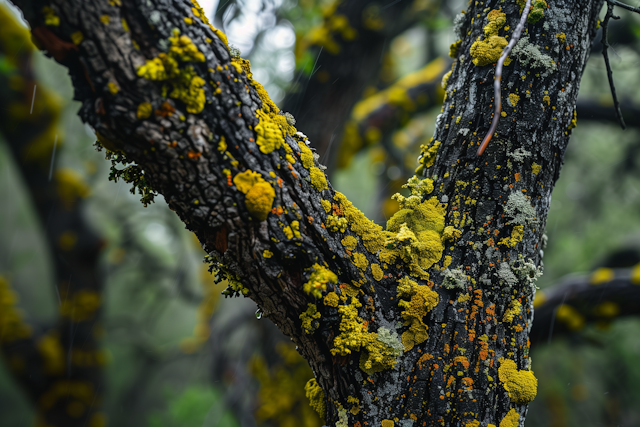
(132, 174)
(197, 405)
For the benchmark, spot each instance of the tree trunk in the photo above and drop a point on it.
(424, 323)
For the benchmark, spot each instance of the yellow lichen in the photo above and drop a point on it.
(602, 275)
(570, 317)
(607, 310)
(488, 51)
(562, 37)
(269, 135)
(574, 120)
(355, 405)
(50, 17)
(187, 86)
(521, 385)
(417, 301)
(81, 306)
(512, 419)
(513, 99)
(331, 299)
(326, 205)
(517, 233)
(52, 353)
(349, 242)
(318, 179)
(318, 280)
(309, 317)
(451, 233)
(292, 230)
(267, 253)
(535, 168)
(427, 156)
(259, 194)
(336, 223)
(315, 394)
(514, 309)
(371, 233)
(360, 261)
(12, 325)
(377, 272)
(375, 355)
(144, 110)
(77, 37)
(387, 423)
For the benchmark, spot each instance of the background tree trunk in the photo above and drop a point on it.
(425, 322)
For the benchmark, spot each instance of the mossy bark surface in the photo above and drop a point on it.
(425, 323)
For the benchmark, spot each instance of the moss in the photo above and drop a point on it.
(514, 309)
(521, 385)
(318, 280)
(331, 299)
(488, 51)
(377, 272)
(309, 319)
(512, 419)
(259, 194)
(517, 233)
(315, 394)
(335, 223)
(417, 301)
(349, 242)
(360, 261)
(187, 86)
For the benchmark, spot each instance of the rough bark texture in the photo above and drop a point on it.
(424, 323)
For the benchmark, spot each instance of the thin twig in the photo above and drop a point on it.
(605, 54)
(624, 6)
(496, 83)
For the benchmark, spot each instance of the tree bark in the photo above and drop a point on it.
(424, 323)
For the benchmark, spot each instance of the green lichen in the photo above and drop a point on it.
(488, 50)
(318, 280)
(187, 86)
(417, 301)
(310, 319)
(537, 11)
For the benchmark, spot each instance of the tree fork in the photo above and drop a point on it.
(424, 323)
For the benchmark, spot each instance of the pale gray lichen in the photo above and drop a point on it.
(458, 25)
(506, 275)
(455, 278)
(526, 271)
(519, 209)
(529, 54)
(391, 339)
(519, 154)
(405, 423)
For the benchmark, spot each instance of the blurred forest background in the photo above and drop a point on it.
(170, 350)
